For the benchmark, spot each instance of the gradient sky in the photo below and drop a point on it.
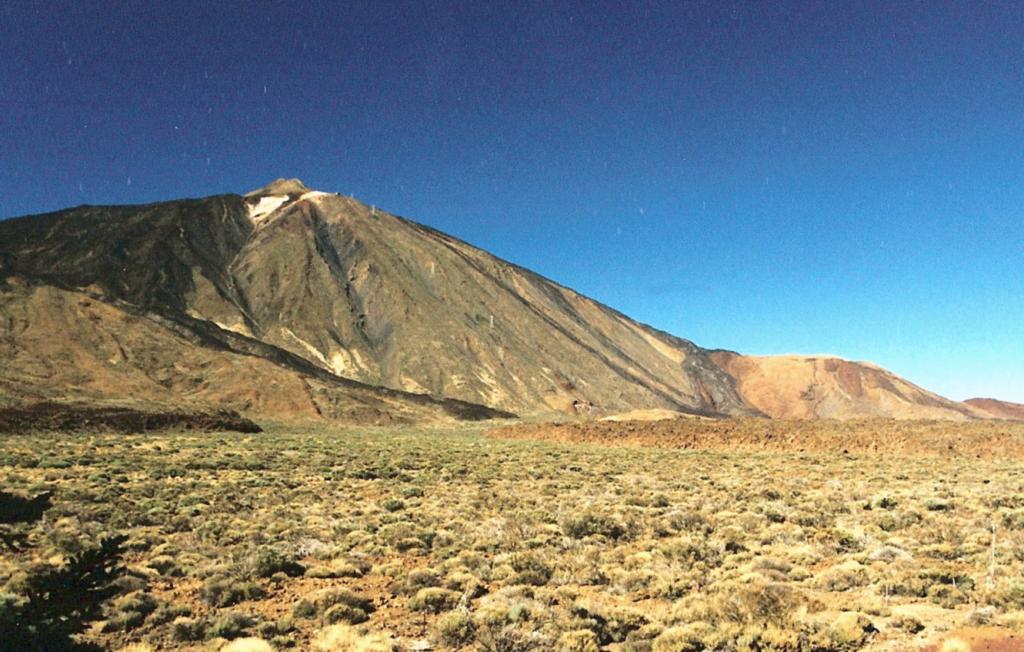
(769, 177)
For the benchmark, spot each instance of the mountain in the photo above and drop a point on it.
(369, 296)
(292, 301)
(803, 387)
(997, 409)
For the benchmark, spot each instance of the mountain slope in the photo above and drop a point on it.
(74, 347)
(149, 255)
(802, 387)
(372, 297)
(997, 409)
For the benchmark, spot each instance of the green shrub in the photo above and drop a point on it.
(129, 612)
(455, 629)
(229, 625)
(356, 607)
(530, 569)
(166, 613)
(907, 623)
(339, 568)
(842, 577)
(851, 629)
(225, 592)
(123, 621)
(590, 524)
(343, 613)
(578, 640)
(434, 600)
(686, 638)
(267, 562)
(185, 629)
(886, 502)
(421, 578)
(166, 565)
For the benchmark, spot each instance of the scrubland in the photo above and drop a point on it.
(454, 539)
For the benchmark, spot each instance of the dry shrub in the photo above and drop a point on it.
(578, 640)
(842, 577)
(343, 638)
(755, 603)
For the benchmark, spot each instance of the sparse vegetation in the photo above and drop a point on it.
(381, 538)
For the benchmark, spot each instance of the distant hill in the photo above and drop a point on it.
(997, 409)
(295, 302)
(804, 387)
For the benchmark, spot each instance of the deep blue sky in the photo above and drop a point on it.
(768, 177)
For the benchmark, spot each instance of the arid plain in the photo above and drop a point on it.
(503, 538)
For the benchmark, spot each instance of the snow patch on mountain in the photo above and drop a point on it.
(315, 194)
(265, 206)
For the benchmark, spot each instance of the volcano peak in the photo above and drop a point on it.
(280, 187)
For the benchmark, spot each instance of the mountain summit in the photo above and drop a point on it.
(280, 187)
(326, 286)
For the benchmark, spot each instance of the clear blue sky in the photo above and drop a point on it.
(767, 176)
